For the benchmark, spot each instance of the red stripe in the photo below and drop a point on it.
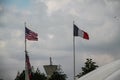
(85, 36)
(29, 37)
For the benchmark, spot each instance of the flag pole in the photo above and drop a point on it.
(25, 41)
(26, 75)
(25, 56)
(73, 53)
(29, 35)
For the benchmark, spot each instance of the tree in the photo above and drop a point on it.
(37, 75)
(21, 76)
(89, 66)
(58, 76)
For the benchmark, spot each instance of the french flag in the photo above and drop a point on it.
(81, 33)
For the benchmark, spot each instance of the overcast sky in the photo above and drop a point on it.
(53, 21)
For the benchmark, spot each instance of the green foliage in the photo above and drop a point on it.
(38, 76)
(35, 76)
(21, 76)
(89, 66)
(58, 76)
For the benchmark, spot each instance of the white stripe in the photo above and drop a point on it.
(80, 33)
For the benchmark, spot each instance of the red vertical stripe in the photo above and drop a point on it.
(85, 36)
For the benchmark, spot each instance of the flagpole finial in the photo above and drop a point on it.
(25, 23)
(73, 22)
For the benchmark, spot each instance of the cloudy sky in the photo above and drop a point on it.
(53, 21)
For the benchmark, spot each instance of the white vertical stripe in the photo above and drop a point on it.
(80, 33)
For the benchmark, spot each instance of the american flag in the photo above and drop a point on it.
(30, 35)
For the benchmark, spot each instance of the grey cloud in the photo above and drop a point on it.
(2, 71)
(93, 15)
